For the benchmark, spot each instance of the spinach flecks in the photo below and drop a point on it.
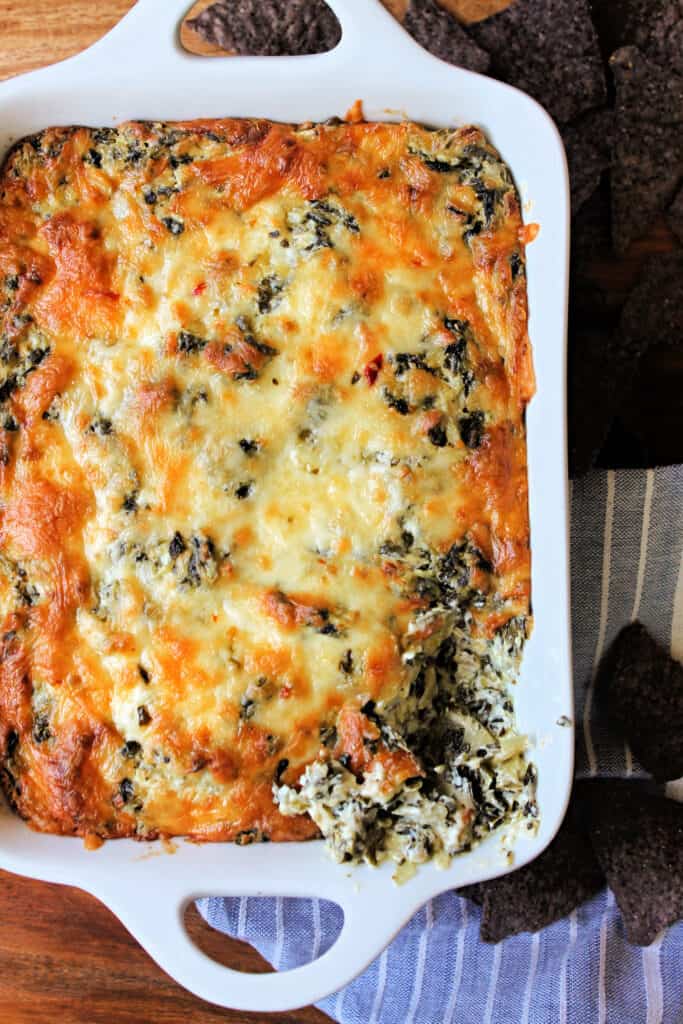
(93, 157)
(516, 265)
(41, 728)
(405, 361)
(177, 545)
(437, 435)
(270, 293)
(203, 562)
(455, 354)
(311, 225)
(244, 490)
(440, 166)
(126, 791)
(471, 428)
(175, 226)
(488, 197)
(22, 365)
(188, 342)
(130, 502)
(337, 214)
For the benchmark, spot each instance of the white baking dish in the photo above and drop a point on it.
(139, 71)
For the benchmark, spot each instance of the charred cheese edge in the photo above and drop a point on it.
(264, 543)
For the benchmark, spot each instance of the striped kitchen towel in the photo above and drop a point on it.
(626, 546)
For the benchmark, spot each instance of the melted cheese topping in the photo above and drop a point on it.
(262, 396)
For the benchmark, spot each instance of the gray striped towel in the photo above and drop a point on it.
(626, 545)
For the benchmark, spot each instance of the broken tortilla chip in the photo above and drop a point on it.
(637, 837)
(565, 875)
(641, 686)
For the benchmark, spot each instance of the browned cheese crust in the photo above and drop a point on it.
(244, 368)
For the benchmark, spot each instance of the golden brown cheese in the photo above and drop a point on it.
(258, 383)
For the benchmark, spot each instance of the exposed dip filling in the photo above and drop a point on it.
(264, 543)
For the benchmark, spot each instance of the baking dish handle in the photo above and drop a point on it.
(151, 28)
(369, 925)
(369, 30)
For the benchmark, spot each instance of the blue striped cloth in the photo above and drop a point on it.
(627, 545)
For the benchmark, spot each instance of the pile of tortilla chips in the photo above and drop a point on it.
(269, 28)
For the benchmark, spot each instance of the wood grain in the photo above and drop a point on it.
(66, 958)
(44, 31)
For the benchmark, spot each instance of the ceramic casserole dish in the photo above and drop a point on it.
(140, 71)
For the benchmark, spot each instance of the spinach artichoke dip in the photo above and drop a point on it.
(264, 540)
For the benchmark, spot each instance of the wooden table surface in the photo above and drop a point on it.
(63, 956)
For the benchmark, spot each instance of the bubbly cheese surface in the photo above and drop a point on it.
(262, 396)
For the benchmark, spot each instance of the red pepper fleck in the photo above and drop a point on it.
(390, 569)
(372, 369)
(199, 288)
(428, 420)
(285, 691)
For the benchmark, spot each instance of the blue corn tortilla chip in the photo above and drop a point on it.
(641, 687)
(602, 363)
(269, 28)
(565, 875)
(645, 90)
(473, 893)
(637, 837)
(588, 145)
(654, 26)
(647, 162)
(439, 32)
(548, 48)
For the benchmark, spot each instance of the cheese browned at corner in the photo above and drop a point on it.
(264, 543)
